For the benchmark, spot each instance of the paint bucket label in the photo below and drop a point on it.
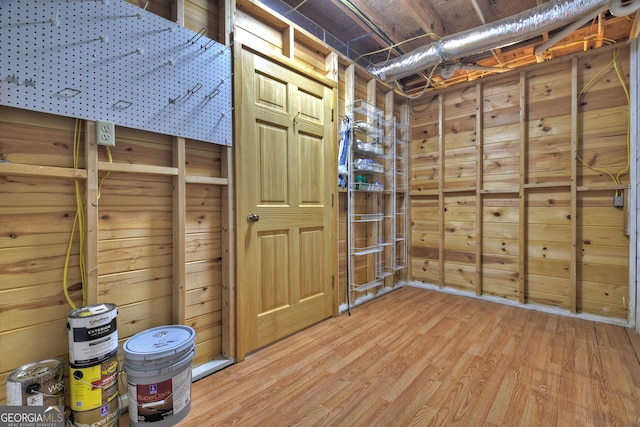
(37, 384)
(158, 366)
(104, 416)
(93, 334)
(93, 386)
(161, 400)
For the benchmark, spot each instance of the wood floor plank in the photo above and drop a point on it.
(421, 357)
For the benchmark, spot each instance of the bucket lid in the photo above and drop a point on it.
(159, 343)
(35, 370)
(91, 310)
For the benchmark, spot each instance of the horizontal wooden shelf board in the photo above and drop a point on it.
(206, 180)
(140, 169)
(45, 171)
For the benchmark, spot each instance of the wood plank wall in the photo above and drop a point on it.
(36, 217)
(501, 204)
(134, 244)
(136, 220)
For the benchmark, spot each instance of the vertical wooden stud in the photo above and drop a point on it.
(574, 185)
(243, 93)
(522, 252)
(177, 11)
(600, 38)
(479, 185)
(634, 189)
(179, 231)
(91, 213)
(441, 186)
(349, 89)
(225, 24)
(625, 214)
(228, 257)
(372, 92)
(331, 72)
(288, 42)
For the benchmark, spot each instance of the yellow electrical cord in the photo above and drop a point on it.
(389, 48)
(79, 221)
(106, 174)
(604, 41)
(614, 176)
(401, 92)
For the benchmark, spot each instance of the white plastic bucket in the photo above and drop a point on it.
(158, 367)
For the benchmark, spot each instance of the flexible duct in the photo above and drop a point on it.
(504, 32)
(623, 7)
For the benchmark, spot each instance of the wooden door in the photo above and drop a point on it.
(284, 218)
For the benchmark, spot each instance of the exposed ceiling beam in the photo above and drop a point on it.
(425, 16)
(485, 13)
(485, 16)
(566, 31)
(479, 12)
(380, 21)
(356, 19)
(508, 31)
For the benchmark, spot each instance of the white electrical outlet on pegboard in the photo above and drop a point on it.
(110, 60)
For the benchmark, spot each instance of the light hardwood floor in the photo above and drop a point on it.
(419, 357)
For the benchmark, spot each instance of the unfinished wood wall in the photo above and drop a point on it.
(193, 14)
(275, 38)
(501, 204)
(136, 225)
(157, 237)
(135, 238)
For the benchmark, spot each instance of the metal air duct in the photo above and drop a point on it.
(504, 32)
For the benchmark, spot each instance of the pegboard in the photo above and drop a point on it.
(110, 60)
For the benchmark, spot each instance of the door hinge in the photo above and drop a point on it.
(332, 201)
(332, 113)
(333, 281)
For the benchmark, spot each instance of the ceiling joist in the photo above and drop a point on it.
(425, 16)
(382, 29)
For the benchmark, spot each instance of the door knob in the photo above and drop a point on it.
(253, 217)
